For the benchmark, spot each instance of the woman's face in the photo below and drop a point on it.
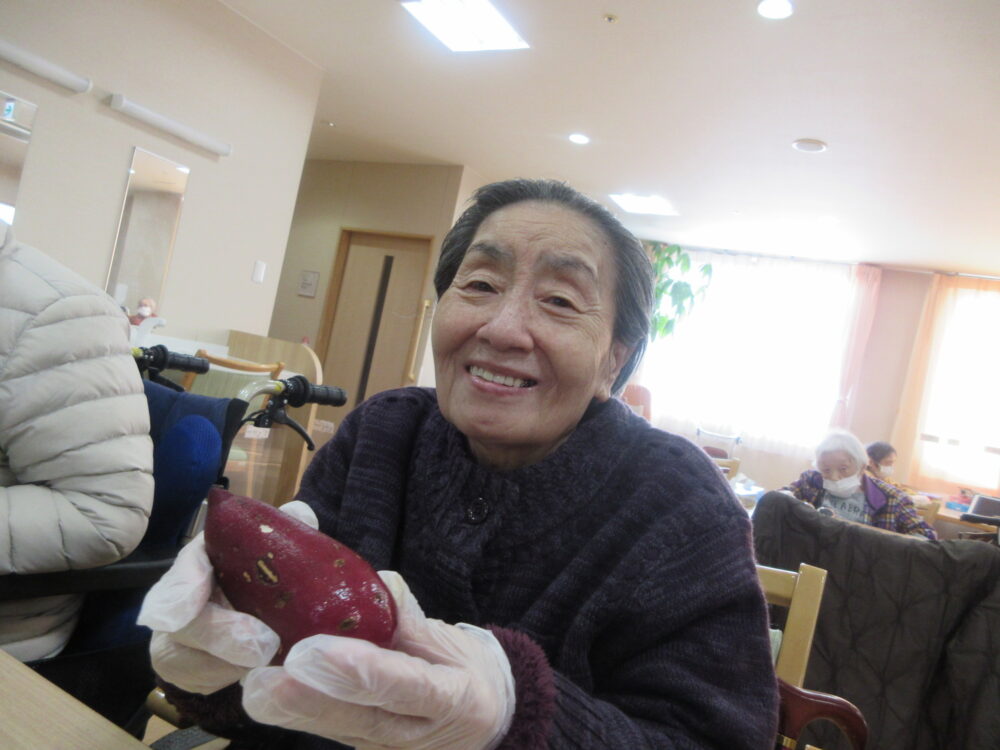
(834, 465)
(522, 338)
(887, 461)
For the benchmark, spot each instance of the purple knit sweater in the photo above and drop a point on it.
(618, 574)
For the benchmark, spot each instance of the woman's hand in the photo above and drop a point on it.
(200, 643)
(443, 687)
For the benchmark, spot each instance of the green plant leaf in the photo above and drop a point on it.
(674, 290)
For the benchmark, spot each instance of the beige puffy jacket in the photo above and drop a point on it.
(76, 459)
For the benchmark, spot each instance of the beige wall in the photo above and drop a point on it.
(201, 64)
(471, 180)
(334, 195)
(901, 300)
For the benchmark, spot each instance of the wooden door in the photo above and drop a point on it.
(374, 318)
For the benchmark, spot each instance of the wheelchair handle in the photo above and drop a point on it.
(160, 358)
(300, 391)
(295, 391)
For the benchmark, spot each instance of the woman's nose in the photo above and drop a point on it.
(509, 325)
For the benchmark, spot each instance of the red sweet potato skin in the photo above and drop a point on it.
(296, 579)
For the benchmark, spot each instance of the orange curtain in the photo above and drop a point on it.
(947, 431)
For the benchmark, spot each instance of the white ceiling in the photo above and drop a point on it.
(699, 101)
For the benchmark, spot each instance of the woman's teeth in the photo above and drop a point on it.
(507, 380)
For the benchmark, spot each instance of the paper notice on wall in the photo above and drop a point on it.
(308, 282)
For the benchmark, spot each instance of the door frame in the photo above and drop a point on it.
(347, 234)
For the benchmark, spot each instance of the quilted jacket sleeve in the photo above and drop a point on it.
(76, 481)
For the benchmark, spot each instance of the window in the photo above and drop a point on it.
(760, 356)
(956, 437)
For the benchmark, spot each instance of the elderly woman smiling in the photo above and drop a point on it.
(600, 569)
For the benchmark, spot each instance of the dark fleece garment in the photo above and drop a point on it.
(618, 573)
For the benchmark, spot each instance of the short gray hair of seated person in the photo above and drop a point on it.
(633, 269)
(842, 440)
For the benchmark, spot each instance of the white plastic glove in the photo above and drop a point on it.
(444, 687)
(200, 643)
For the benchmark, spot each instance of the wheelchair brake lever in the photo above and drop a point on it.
(281, 417)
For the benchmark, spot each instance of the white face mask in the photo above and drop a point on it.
(842, 487)
(885, 471)
(144, 310)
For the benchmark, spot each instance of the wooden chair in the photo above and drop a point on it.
(801, 593)
(282, 479)
(929, 512)
(640, 399)
(272, 368)
(242, 463)
(729, 466)
(705, 439)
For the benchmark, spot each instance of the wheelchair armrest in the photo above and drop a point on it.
(141, 569)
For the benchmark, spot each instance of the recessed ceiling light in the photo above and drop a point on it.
(329, 123)
(809, 145)
(579, 138)
(644, 204)
(466, 25)
(775, 9)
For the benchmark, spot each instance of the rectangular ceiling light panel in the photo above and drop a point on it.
(466, 25)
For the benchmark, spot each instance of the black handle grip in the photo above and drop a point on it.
(186, 362)
(976, 518)
(160, 358)
(301, 391)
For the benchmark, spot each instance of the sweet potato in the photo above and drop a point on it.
(296, 579)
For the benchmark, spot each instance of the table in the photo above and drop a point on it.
(35, 714)
(955, 516)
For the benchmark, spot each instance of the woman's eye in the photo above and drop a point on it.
(560, 302)
(479, 286)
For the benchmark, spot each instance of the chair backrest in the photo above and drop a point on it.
(729, 466)
(288, 456)
(929, 512)
(716, 444)
(640, 399)
(801, 593)
(233, 363)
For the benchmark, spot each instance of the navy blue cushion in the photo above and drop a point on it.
(185, 464)
(167, 406)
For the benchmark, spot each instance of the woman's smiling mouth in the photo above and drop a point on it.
(506, 380)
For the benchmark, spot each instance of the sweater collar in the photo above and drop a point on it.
(539, 495)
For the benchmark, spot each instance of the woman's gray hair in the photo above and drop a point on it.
(634, 272)
(842, 440)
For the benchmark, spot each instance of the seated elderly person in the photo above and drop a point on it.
(840, 483)
(881, 461)
(76, 459)
(600, 570)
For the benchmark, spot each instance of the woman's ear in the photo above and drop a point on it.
(617, 357)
